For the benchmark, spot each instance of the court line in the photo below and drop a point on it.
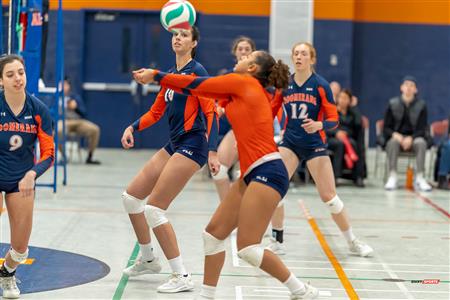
(393, 275)
(234, 251)
(124, 279)
(432, 204)
(238, 292)
(362, 270)
(275, 289)
(360, 263)
(208, 214)
(28, 261)
(323, 243)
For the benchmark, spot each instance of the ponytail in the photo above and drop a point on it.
(279, 75)
(271, 73)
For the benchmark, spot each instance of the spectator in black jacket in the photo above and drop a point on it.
(406, 129)
(350, 128)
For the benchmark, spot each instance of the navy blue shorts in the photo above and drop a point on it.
(192, 145)
(272, 173)
(305, 153)
(9, 187)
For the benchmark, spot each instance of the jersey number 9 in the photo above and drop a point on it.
(16, 142)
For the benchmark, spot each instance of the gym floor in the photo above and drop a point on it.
(82, 239)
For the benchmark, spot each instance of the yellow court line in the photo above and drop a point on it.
(333, 260)
(29, 261)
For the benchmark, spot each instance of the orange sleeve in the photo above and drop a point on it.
(329, 109)
(155, 113)
(219, 87)
(212, 121)
(46, 143)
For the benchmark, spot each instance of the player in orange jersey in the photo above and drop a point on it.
(252, 199)
(227, 152)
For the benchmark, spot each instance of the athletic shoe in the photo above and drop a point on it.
(276, 247)
(391, 184)
(310, 293)
(422, 185)
(143, 267)
(177, 283)
(9, 287)
(359, 248)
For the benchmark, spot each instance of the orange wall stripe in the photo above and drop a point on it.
(433, 12)
(334, 9)
(404, 11)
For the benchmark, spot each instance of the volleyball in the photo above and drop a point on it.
(177, 14)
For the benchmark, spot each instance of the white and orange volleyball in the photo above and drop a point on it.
(177, 14)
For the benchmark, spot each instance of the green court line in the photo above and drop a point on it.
(124, 279)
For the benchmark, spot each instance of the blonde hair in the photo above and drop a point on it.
(312, 52)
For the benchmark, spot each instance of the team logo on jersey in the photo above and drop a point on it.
(188, 152)
(28, 117)
(309, 89)
(319, 149)
(168, 97)
(261, 178)
(2, 114)
(290, 87)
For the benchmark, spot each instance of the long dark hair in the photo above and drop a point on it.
(271, 72)
(195, 37)
(9, 58)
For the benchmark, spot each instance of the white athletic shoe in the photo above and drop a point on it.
(276, 247)
(422, 185)
(391, 183)
(177, 283)
(359, 248)
(310, 293)
(143, 267)
(9, 287)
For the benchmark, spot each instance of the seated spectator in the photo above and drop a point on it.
(76, 122)
(443, 162)
(406, 129)
(347, 140)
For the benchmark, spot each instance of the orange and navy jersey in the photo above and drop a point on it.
(247, 107)
(183, 111)
(312, 100)
(18, 136)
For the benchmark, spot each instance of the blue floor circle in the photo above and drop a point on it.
(54, 269)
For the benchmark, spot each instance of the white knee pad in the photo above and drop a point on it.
(252, 254)
(155, 216)
(222, 174)
(18, 257)
(132, 204)
(335, 205)
(211, 244)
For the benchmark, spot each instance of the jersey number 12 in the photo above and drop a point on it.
(300, 111)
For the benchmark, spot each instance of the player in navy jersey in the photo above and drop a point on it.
(310, 109)
(166, 173)
(227, 151)
(23, 120)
